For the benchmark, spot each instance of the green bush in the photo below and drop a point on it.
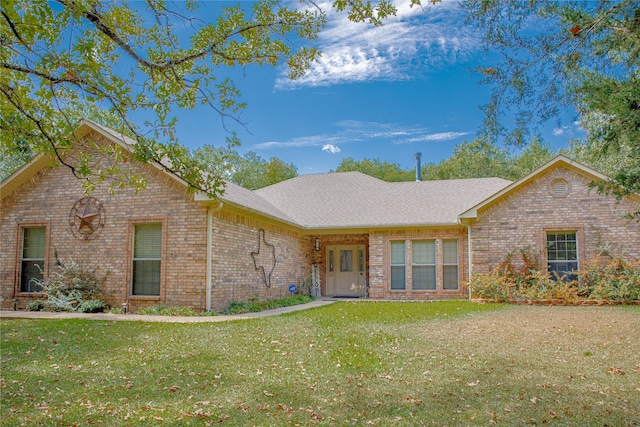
(35, 305)
(254, 305)
(91, 306)
(161, 310)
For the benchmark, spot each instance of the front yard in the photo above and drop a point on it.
(349, 363)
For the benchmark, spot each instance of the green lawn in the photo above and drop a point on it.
(349, 363)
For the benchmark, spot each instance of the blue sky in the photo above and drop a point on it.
(377, 92)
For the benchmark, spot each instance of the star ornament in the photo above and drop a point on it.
(87, 218)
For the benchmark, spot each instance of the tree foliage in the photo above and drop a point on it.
(391, 172)
(470, 159)
(573, 53)
(249, 171)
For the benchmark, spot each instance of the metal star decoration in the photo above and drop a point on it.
(87, 218)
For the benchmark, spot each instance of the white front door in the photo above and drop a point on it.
(345, 271)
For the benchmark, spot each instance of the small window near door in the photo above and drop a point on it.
(330, 260)
(32, 260)
(450, 264)
(147, 255)
(424, 264)
(562, 255)
(398, 273)
(346, 261)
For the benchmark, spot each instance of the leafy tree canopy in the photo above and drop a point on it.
(249, 171)
(554, 54)
(142, 59)
(470, 159)
(376, 168)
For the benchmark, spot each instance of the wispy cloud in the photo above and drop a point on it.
(411, 43)
(441, 136)
(355, 131)
(331, 148)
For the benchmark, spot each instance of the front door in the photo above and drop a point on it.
(345, 271)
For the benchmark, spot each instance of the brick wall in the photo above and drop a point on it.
(49, 196)
(235, 278)
(523, 217)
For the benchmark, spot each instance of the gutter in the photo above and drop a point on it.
(209, 273)
(468, 253)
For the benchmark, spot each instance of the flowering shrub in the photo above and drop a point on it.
(603, 279)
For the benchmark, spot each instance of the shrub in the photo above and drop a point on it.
(91, 306)
(161, 310)
(254, 304)
(610, 279)
(68, 287)
(116, 310)
(35, 305)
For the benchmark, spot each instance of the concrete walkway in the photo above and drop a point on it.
(318, 302)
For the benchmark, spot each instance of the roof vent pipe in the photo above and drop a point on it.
(418, 172)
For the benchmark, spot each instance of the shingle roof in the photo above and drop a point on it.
(334, 200)
(247, 199)
(355, 200)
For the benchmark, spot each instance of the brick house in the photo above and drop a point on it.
(352, 234)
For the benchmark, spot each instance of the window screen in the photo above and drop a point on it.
(32, 262)
(450, 264)
(424, 264)
(147, 253)
(398, 265)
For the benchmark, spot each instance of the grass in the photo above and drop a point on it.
(349, 363)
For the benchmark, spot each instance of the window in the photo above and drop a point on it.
(147, 253)
(32, 261)
(346, 261)
(450, 264)
(562, 255)
(397, 265)
(424, 264)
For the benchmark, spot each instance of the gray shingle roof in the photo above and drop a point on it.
(354, 200)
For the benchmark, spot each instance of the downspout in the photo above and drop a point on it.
(468, 253)
(209, 274)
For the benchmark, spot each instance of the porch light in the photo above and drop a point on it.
(317, 245)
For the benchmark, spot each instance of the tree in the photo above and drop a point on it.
(390, 172)
(576, 54)
(483, 159)
(249, 171)
(142, 59)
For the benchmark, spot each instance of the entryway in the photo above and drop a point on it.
(345, 271)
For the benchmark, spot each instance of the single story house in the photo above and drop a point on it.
(348, 234)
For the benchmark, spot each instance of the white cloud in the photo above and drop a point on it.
(411, 43)
(441, 136)
(354, 131)
(331, 148)
(559, 131)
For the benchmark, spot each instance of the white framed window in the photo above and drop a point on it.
(147, 259)
(398, 267)
(562, 254)
(423, 264)
(32, 260)
(450, 264)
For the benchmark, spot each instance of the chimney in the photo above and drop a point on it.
(418, 172)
